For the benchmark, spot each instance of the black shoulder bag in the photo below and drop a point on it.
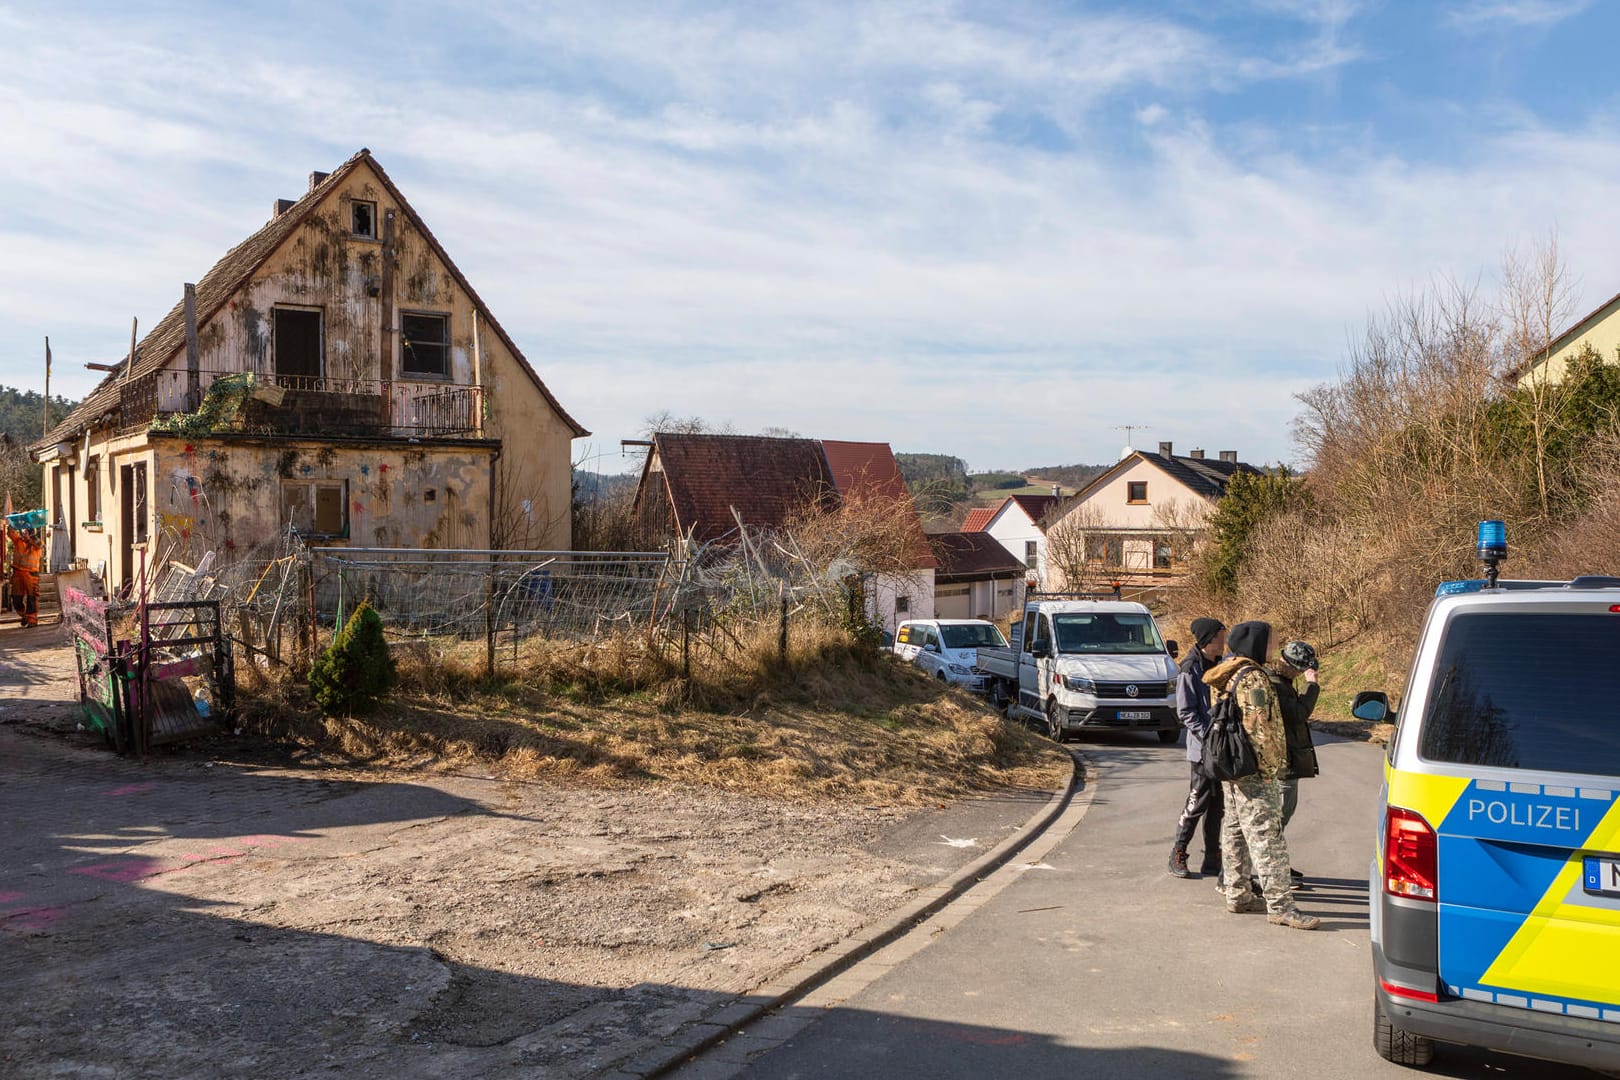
(1228, 754)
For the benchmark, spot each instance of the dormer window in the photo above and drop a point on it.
(363, 219)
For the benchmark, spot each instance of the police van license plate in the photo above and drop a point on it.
(1141, 714)
(1601, 876)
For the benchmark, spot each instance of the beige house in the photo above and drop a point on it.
(334, 373)
(1135, 524)
(1599, 330)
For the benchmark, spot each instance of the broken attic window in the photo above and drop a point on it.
(424, 344)
(363, 219)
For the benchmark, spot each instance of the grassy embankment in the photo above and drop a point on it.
(835, 721)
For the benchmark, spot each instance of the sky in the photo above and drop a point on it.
(1001, 231)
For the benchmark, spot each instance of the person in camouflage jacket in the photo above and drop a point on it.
(1251, 835)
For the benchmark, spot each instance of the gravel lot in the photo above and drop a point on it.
(222, 912)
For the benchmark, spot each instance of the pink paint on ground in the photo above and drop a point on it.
(133, 868)
(129, 789)
(11, 897)
(42, 918)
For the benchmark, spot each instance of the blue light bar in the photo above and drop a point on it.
(1492, 540)
(1455, 588)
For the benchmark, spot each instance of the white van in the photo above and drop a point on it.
(948, 649)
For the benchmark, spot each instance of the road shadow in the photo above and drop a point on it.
(118, 959)
(863, 1043)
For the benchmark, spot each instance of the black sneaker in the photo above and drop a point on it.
(1178, 863)
(1295, 874)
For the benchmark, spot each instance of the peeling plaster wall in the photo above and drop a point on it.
(535, 488)
(211, 494)
(322, 265)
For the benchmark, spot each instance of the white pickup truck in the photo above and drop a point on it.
(1086, 664)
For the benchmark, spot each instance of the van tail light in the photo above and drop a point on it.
(1409, 855)
(1397, 990)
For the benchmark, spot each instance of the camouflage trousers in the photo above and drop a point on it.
(1252, 844)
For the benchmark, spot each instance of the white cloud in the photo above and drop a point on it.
(1490, 14)
(805, 220)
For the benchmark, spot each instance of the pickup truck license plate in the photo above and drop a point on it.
(1140, 714)
(1601, 876)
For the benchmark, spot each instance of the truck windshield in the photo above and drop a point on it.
(1106, 632)
(1525, 691)
(972, 636)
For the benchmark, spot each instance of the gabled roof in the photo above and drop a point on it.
(236, 269)
(978, 518)
(764, 479)
(973, 555)
(1557, 344)
(1035, 507)
(870, 469)
(1202, 476)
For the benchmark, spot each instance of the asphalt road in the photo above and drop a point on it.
(1095, 962)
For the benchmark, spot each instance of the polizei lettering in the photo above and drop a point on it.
(1525, 815)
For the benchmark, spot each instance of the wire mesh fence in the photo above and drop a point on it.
(281, 600)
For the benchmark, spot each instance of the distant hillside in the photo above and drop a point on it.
(22, 417)
(22, 412)
(1070, 476)
(591, 486)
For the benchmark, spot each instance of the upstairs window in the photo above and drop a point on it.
(1032, 553)
(363, 219)
(298, 349)
(1136, 491)
(424, 345)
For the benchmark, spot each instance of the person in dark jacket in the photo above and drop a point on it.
(1252, 840)
(1295, 661)
(1204, 799)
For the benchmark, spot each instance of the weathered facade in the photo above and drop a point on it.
(335, 372)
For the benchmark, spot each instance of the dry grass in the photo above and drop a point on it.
(836, 721)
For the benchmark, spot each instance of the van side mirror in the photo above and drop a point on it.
(930, 647)
(1173, 649)
(1372, 705)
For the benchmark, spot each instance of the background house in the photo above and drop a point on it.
(697, 489)
(977, 578)
(1017, 524)
(335, 372)
(1599, 330)
(1136, 523)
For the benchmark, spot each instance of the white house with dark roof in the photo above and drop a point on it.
(1136, 523)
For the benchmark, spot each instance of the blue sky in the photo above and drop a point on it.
(996, 230)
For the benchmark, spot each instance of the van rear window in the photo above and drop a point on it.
(1526, 691)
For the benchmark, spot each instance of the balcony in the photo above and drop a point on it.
(260, 403)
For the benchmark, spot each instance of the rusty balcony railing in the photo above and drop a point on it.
(300, 404)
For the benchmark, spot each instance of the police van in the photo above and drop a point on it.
(1495, 886)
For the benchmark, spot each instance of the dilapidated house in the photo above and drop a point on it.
(335, 373)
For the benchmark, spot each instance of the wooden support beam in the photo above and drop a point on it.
(193, 360)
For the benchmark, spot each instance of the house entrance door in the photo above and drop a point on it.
(133, 518)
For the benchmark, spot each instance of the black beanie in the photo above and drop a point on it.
(1249, 639)
(1204, 630)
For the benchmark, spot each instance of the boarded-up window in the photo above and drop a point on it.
(298, 344)
(424, 344)
(316, 507)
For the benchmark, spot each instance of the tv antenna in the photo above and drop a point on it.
(1128, 428)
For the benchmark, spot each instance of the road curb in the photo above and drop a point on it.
(841, 956)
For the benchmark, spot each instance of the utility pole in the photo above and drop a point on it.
(46, 430)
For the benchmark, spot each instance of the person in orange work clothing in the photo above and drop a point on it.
(25, 554)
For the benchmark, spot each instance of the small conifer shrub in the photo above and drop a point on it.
(354, 673)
